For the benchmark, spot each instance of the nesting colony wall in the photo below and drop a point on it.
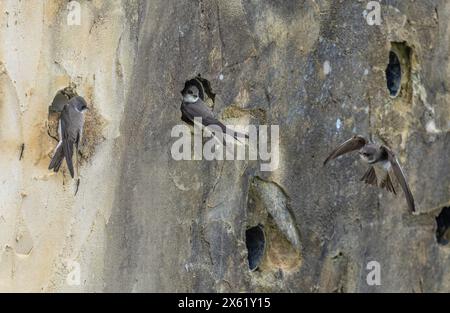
(141, 221)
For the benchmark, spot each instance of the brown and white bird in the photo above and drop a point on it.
(70, 131)
(383, 165)
(193, 107)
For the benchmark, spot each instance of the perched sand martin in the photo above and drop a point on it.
(383, 163)
(70, 130)
(193, 106)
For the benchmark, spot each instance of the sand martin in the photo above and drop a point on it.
(383, 163)
(70, 130)
(193, 106)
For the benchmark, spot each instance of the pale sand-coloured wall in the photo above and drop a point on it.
(42, 223)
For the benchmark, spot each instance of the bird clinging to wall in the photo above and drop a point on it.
(70, 130)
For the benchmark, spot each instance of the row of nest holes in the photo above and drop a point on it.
(255, 238)
(393, 72)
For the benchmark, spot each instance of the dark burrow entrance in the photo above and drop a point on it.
(398, 70)
(255, 240)
(393, 74)
(443, 225)
(273, 245)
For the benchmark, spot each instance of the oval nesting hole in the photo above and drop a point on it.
(443, 225)
(255, 241)
(393, 74)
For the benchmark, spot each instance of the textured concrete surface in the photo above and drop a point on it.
(142, 221)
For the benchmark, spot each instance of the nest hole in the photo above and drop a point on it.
(268, 249)
(443, 225)
(393, 74)
(255, 241)
(398, 70)
(270, 245)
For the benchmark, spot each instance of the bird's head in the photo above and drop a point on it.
(191, 94)
(80, 104)
(369, 153)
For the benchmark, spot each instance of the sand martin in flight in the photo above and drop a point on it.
(383, 165)
(70, 129)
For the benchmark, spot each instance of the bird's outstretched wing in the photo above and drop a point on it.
(398, 172)
(354, 143)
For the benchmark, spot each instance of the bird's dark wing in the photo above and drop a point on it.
(56, 161)
(213, 121)
(199, 109)
(186, 119)
(207, 121)
(398, 172)
(370, 177)
(70, 135)
(67, 145)
(354, 143)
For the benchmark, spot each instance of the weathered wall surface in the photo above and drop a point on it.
(142, 221)
(43, 226)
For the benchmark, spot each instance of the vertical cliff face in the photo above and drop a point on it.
(141, 221)
(43, 225)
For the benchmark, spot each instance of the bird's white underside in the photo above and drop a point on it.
(190, 98)
(382, 169)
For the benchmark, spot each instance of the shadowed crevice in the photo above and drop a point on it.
(393, 74)
(274, 244)
(255, 241)
(398, 70)
(443, 225)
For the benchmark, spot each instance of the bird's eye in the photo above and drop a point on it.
(190, 92)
